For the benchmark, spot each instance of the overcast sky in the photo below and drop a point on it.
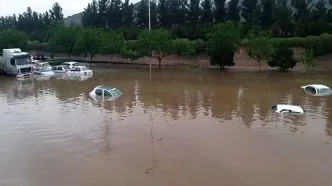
(69, 7)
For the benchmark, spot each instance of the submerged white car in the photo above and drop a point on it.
(44, 64)
(45, 71)
(71, 64)
(291, 109)
(80, 70)
(61, 69)
(317, 90)
(104, 93)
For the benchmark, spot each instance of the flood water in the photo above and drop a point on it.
(182, 128)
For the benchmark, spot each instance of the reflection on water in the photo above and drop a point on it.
(182, 128)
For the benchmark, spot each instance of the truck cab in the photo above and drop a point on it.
(17, 63)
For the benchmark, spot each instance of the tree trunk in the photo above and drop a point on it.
(259, 65)
(159, 63)
(111, 58)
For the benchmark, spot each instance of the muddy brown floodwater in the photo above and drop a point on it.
(184, 128)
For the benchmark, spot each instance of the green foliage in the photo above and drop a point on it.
(13, 39)
(111, 43)
(36, 45)
(155, 43)
(183, 47)
(259, 49)
(200, 46)
(282, 58)
(89, 42)
(307, 58)
(64, 39)
(129, 50)
(222, 43)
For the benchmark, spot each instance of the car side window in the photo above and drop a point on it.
(99, 92)
(107, 93)
(54, 68)
(78, 69)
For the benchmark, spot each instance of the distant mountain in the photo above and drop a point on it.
(75, 18)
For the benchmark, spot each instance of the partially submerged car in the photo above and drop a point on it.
(61, 69)
(45, 71)
(317, 90)
(284, 108)
(105, 93)
(71, 64)
(80, 70)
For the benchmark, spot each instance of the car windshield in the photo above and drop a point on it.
(46, 64)
(117, 92)
(66, 67)
(44, 69)
(85, 68)
(22, 59)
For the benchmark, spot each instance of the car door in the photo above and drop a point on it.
(78, 71)
(107, 94)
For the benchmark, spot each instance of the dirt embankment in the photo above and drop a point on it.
(241, 58)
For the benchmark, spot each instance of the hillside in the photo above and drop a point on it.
(75, 18)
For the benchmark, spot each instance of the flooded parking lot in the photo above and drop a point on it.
(182, 128)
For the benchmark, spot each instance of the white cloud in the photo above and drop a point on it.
(69, 7)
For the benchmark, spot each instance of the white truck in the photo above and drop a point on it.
(15, 62)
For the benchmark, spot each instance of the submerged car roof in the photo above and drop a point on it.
(106, 87)
(69, 62)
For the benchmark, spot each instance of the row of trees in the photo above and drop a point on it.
(190, 19)
(35, 25)
(223, 41)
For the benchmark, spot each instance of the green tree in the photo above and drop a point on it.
(259, 49)
(13, 39)
(89, 42)
(130, 51)
(307, 58)
(111, 43)
(220, 11)
(142, 16)
(267, 13)
(64, 39)
(128, 13)
(102, 12)
(114, 14)
(183, 47)
(319, 19)
(283, 21)
(194, 11)
(90, 15)
(233, 11)
(163, 13)
(251, 12)
(223, 41)
(155, 43)
(282, 58)
(56, 12)
(207, 14)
